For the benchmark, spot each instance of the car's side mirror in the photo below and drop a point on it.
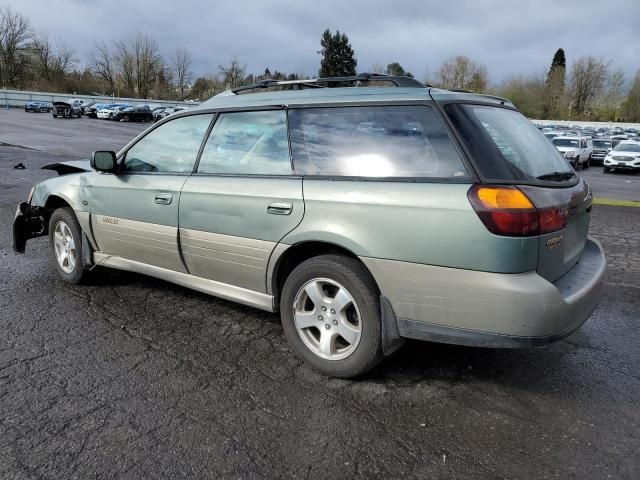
(104, 161)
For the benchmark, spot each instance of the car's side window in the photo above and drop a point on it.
(170, 148)
(373, 141)
(252, 143)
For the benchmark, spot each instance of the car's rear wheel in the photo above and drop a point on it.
(330, 309)
(65, 237)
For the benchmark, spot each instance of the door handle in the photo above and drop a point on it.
(164, 198)
(280, 208)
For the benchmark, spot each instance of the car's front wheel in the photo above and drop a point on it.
(330, 309)
(65, 238)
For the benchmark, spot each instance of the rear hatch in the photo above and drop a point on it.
(510, 154)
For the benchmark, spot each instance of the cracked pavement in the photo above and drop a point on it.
(132, 377)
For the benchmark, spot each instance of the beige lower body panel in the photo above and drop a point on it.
(143, 242)
(522, 305)
(204, 285)
(225, 258)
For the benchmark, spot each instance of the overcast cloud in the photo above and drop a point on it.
(509, 37)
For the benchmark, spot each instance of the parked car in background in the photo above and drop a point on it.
(67, 109)
(363, 215)
(552, 134)
(577, 150)
(37, 106)
(108, 111)
(134, 114)
(92, 110)
(624, 156)
(160, 113)
(601, 147)
(86, 107)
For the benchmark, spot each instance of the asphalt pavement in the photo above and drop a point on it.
(130, 377)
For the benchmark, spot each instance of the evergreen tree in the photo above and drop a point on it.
(555, 84)
(396, 69)
(338, 59)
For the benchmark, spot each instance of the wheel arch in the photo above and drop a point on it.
(295, 254)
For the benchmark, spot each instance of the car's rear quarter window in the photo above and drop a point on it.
(505, 145)
(376, 141)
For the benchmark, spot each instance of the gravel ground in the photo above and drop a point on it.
(132, 377)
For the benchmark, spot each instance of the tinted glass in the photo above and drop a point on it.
(172, 147)
(601, 143)
(248, 143)
(390, 141)
(565, 142)
(505, 145)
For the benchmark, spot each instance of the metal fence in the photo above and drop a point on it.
(18, 98)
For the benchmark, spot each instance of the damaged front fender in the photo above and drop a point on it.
(28, 223)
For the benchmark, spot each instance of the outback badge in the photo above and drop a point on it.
(554, 242)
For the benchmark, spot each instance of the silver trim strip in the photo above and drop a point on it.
(204, 285)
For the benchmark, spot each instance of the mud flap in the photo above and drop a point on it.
(391, 339)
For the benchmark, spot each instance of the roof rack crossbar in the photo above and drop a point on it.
(397, 81)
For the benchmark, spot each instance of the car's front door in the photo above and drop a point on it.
(135, 212)
(242, 200)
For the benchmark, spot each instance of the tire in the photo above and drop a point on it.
(357, 315)
(606, 170)
(62, 225)
(587, 163)
(125, 118)
(55, 116)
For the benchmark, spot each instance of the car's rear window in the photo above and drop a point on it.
(506, 146)
(376, 141)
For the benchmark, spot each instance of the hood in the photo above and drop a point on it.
(62, 104)
(566, 149)
(73, 166)
(634, 155)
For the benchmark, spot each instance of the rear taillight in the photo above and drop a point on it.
(508, 211)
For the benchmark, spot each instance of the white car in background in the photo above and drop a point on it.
(624, 156)
(108, 113)
(577, 150)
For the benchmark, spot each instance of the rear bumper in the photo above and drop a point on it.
(490, 309)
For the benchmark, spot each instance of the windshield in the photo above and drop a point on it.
(627, 147)
(602, 143)
(506, 146)
(565, 142)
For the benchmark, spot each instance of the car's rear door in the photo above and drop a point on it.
(135, 212)
(242, 200)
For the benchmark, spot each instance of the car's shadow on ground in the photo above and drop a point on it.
(416, 362)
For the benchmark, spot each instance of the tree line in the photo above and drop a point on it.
(133, 66)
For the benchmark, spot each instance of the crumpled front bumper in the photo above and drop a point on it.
(28, 223)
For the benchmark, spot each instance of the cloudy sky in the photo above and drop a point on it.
(509, 37)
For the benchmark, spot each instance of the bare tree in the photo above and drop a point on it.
(181, 64)
(233, 74)
(52, 60)
(139, 61)
(587, 79)
(15, 33)
(104, 65)
(462, 73)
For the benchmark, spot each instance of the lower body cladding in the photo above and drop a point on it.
(489, 309)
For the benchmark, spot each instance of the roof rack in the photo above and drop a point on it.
(397, 81)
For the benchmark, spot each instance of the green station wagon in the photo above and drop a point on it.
(366, 213)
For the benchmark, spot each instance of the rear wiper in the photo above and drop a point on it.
(557, 176)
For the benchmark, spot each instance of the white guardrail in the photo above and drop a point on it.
(17, 99)
(575, 123)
